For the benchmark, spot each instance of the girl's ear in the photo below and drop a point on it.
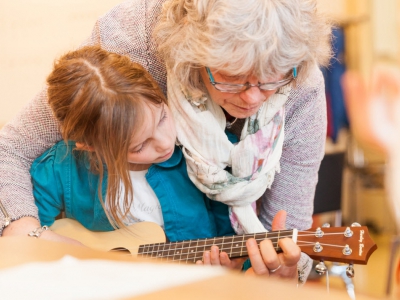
(82, 146)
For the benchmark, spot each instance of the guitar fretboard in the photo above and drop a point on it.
(192, 250)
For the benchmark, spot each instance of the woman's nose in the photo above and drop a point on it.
(253, 96)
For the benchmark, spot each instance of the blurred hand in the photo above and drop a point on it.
(374, 111)
(25, 225)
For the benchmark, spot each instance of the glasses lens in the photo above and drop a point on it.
(274, 85)
(229, 88)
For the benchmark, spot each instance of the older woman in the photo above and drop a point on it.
(246, 93)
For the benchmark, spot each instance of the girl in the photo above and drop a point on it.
(115, 122)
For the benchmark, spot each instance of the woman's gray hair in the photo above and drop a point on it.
(263, 37)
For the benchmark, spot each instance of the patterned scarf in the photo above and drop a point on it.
(251, 163)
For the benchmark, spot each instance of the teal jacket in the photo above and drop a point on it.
(62, 181)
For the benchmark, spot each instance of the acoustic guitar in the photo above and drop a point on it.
(352, 245)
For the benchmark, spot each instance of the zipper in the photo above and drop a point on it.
(7, 219)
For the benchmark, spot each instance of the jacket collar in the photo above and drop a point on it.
(173, 161)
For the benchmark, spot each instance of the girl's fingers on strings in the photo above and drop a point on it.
(206, 258)
(225, 260)
(215, 256)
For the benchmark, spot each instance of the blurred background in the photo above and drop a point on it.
(33, 33)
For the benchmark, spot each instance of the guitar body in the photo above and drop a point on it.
(130, 238)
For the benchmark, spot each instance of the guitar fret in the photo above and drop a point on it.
(158, 254)
(185, 251)
(276, 247)
(177, 252)
(200, 244)
(223, 245)
(154, 251)
(241, 248)
(231, 250)
(151, 250)
(193, 251)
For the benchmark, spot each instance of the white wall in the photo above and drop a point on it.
(32, 34)
(385, 33)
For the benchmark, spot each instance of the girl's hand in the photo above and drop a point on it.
(216, 258)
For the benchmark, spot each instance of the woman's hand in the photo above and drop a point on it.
(25, 225)
(373, 111)
(264, 260)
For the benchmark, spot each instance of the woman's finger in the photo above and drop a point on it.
(279, 221)
(257, 261)
(270, 257)
(290, 252)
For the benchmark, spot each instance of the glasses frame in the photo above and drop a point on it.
(246, 86)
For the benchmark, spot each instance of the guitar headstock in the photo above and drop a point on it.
(351, 245)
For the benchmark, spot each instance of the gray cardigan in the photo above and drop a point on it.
(126, 29)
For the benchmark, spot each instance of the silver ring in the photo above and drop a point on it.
(274, 270)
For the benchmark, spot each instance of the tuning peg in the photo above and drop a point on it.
(317, 247)
(350, 271)
(326, 225)
(355, 224)
(348, 232)
(347, 250)
(320, 268)
(319, 233)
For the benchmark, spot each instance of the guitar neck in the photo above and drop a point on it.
(192, 250)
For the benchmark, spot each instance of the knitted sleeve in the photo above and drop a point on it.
(305, 132)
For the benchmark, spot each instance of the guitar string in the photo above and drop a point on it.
(187, 255)
(182, 257)
(198, 254)
(178, 250)
(229, 243)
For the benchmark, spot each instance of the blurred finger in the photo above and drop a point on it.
(215, 256)
(257, 262)
(279, 221)
(225, 260)
(290, 252)
(206, 258)
(269, 255)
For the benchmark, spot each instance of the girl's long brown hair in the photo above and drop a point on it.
(98, 97)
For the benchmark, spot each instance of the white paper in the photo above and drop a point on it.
(71, 278)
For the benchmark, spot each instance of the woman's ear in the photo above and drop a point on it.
(82, 146)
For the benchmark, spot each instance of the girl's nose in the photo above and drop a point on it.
(163, 143)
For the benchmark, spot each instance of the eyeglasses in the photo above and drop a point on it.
(238, 88)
